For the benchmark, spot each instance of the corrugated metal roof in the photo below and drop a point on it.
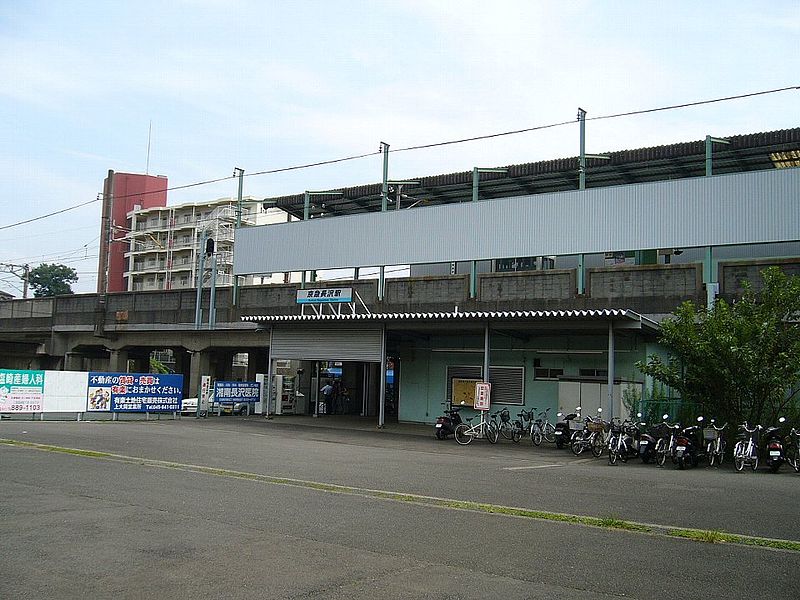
(749, 152)
(516, 315)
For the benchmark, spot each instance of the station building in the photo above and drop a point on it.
(604, 247)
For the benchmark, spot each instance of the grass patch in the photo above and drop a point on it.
(614, 523)
(709, 536)
(73, 451)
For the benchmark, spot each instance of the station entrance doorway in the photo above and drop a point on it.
(331, 371)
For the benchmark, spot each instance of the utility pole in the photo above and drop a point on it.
(105, 235)
(21, 271)
(240, 173)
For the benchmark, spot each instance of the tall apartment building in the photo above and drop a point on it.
(164, 243)
(122, 192)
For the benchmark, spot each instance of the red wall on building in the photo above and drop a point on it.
(130, 190)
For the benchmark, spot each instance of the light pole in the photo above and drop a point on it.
(582, 186)
(240, 173)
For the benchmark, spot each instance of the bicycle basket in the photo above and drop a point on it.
(595, 426)
(710, 434)
(505, 417)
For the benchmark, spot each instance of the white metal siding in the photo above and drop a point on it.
(742, 208)
(317, 343)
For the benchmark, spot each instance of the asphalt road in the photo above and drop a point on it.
(83, 526)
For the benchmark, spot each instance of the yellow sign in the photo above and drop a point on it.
(464, 392)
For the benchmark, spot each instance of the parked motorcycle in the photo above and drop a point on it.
(647, 441)
(689, 446)
(774, 455)
(446, 424)
(563, 429)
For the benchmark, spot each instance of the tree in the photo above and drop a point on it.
(52, 280)
(737, 362)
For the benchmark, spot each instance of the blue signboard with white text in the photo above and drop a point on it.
(134, 392)
(237, 391)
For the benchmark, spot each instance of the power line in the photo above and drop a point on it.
(418, 147)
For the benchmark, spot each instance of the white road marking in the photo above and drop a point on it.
(529, 467)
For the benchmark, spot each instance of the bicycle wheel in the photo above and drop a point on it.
(711, 454)
(612, 456)
(796, 460)
(577, 445)
(754, 460)
(462, 434)
(516, 432)
(738, 458)
(661, 452)
(549, 433)
(598, 445)
(536, 436)
(506, 430)
(623, 454)
(492, 433)
(721, 452)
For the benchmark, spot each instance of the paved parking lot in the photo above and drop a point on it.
(244, 508)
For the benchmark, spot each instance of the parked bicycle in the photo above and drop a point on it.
(521, 426)
(715, 448)
(466, 432)
(745, 452)
(504, 425)
(793, 449)
(622, 440)
(665, 446)
(543, 429)
(591, 437)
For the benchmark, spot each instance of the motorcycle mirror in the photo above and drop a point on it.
(782, 420)
(699, 419)
(665, 417)
(559, 414)
(577, 409)
(639, 415)
(713, 420)
(599, 410)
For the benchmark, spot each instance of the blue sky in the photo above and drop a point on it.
(263, 85)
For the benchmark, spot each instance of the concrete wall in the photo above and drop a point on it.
(423, 372)
(733, 273)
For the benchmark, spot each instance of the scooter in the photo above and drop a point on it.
(774, 456)
(647, 442)
(563, 431)
(688, 447)
(447, 423)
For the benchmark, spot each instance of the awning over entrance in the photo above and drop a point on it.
(362, 344)
(622, 318)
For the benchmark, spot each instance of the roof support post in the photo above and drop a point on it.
(265, 405)
(611, 362)
(709, 149)
(382, 375)
(486, 352)
(582, 155)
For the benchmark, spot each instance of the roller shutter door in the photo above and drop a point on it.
(317, 343)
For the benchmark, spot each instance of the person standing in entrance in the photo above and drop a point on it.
(327, 396)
